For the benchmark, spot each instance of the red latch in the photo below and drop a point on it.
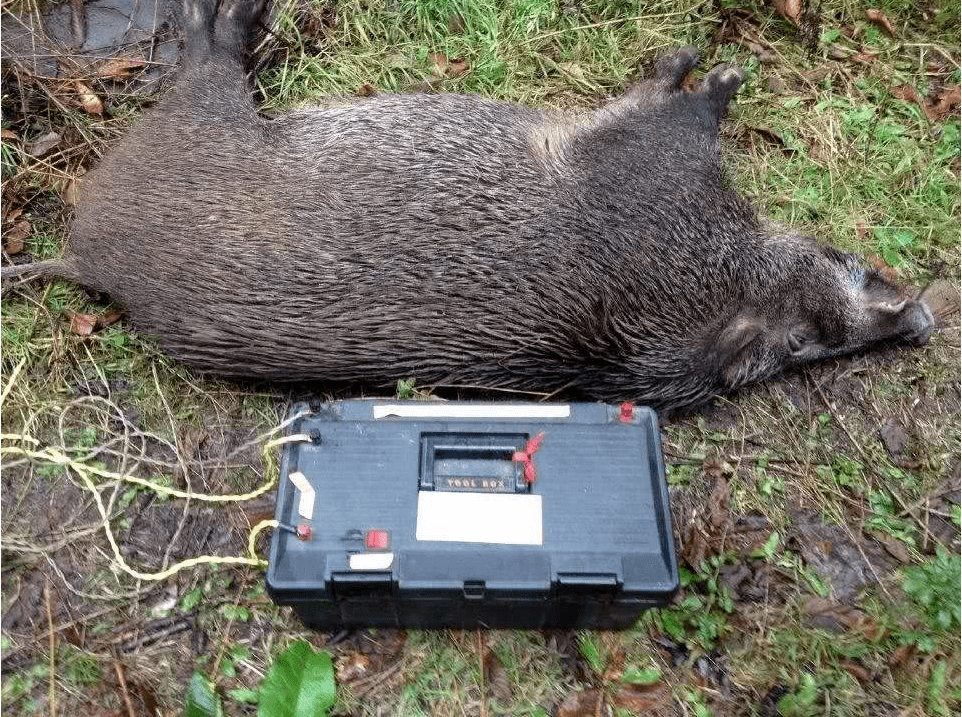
(377, 540)
(526, 457)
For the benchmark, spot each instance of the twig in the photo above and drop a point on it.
(484, 697)
(51, 647)
(123, 684)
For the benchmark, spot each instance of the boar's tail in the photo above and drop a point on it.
(52, 268)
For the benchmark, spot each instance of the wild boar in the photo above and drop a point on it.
(461, 240)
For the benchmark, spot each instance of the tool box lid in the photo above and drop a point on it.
(432, 498)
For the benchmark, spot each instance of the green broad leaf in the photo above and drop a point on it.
(635, 676)
(202, 699)
(673, 627)
(245, 695)
(300, 684)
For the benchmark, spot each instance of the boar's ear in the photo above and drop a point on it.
(731, 343)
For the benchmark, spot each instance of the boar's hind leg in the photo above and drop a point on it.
(718, 88)
(671, 68)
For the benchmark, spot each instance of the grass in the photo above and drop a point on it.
(823, 145)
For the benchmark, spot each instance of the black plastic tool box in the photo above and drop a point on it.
(429, 514)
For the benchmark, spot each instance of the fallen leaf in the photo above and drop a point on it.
(9, 134)
(703, 530)
(640, 699)
(791, 10)
(865, 56)
(120, 68)
(496, 678)
(907, 93)
(900, 655)
(88, 99)
(83, 324)
(879, 18)
(944, 104)
(110, 317)
(580, 704)
(440, 63)
(856, 670)
(833, 616)
(456, 68)
(893, 546)
(86, 324)
(13, 240)
(20, 231)
(43, 145)
(352, 667)
(893, 436)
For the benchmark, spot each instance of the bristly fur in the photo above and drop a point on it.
(461, 240)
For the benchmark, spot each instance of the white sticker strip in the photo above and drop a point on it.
(305, 507)
(497, 518)
(371, 561)
(435, 409)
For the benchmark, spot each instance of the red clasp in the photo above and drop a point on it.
(526, 457)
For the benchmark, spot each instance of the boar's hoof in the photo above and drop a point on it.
(720, 85)
(672, 68)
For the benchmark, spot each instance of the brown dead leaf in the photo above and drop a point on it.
(936, 108)
(865, 56)
(444, 67)
(580, 704)
(703, 531)
(944, 104)
(87, 324)
(883, 268)
(16, 235)
(9, 134)
(879, 18)
(791, 10)
(120, 68)
(109, 318)
(352, 667)
(907, 93)
(857, 670)
(88, 99)
(641, 699)
(900, 656)
(43, 145)
(893, 546)
(13, 239)
(496, 678)
(82, 324)
(836, 617)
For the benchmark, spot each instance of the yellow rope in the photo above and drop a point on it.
(51, 455)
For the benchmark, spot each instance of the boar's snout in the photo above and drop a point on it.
(915, 323)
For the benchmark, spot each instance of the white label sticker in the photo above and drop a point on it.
(498, 518)
(305, 507)
(371, 561)
(435, 409)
